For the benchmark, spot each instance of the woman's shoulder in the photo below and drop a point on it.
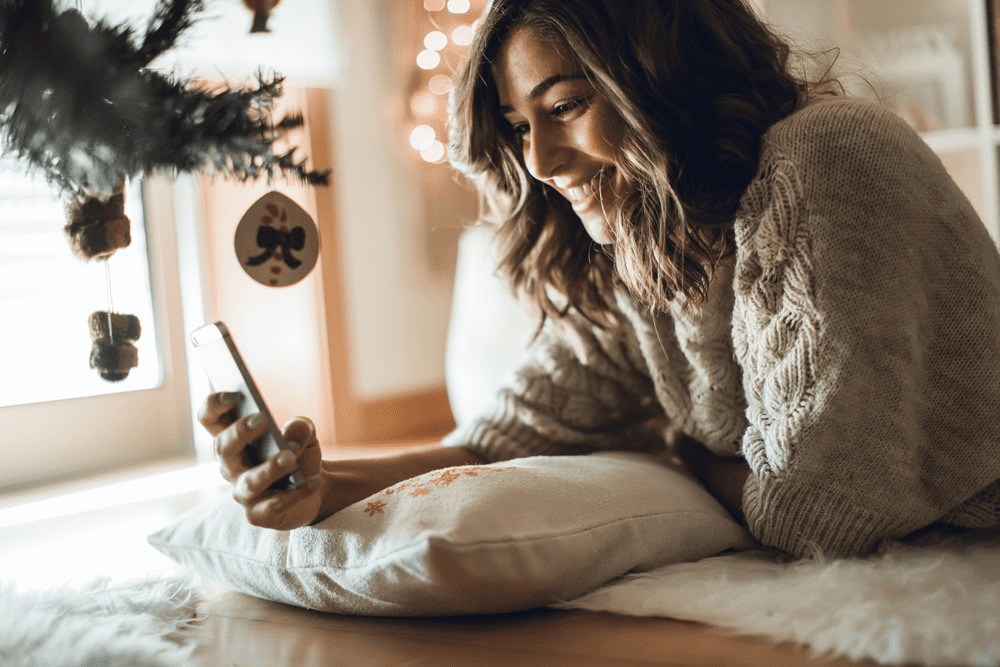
(833, 145)
(843, 156)
(828, 126)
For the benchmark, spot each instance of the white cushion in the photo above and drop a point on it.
(467, 540)
(488, 329)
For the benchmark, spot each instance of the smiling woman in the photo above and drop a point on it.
(790, 293)
(577, 135)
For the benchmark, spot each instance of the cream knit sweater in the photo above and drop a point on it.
(851, 354)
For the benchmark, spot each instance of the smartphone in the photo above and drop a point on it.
(227, 372)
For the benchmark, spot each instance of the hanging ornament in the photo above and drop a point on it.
(112, 352)
(261, 11)
(97, 226)
(277, 242)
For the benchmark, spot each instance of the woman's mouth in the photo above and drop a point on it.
(580, 195)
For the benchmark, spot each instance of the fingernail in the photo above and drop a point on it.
(229, 397)
(286, 459)
(256, 421)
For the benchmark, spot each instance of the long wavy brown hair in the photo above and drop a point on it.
(696, 83)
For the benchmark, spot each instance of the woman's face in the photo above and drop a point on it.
(570, 134)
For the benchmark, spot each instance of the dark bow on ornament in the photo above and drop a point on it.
(271, 239)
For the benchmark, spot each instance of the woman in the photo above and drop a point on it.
(782, 282)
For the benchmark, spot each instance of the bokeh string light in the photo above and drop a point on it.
(435, 40)
(444, 45)
(422, 137)
(433, 153)
(462, 35)
(423, 105)
(428, 59)
(440, 84)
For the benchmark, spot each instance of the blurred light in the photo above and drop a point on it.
(422, 137)
(462, 35)
(433, 5)
(423, 105)
(434, 152)
(436, 40)
(458, 7)
(440, 84)
(475, 26)
(428, 59)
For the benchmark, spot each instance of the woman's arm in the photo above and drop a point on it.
(329, 485)
(348, 481)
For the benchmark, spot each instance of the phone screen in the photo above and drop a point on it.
(227, 372)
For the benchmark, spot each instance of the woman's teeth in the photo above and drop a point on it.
(581, 192)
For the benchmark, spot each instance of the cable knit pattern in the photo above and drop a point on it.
(776, 323)
(852, 354)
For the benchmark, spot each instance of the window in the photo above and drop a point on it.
(57, 417)
(47, 295)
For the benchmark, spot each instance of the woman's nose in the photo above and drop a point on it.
(542, 155)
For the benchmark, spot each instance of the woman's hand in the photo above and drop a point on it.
(265, 507)
(723, 477)
(329, 485)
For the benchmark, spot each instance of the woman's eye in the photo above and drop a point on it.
(519, 130)
(563, 108)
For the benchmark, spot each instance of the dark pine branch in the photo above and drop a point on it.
(78, 104)
(170, 19)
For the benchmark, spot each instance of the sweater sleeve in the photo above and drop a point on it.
(867, 323)
(580, 389)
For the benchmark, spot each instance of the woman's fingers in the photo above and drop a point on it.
(257, 481)
(216, 412)
(302, 431)
(265, 508)
(272, 511)
(231, 444)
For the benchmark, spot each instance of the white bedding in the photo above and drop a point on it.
(934, 604)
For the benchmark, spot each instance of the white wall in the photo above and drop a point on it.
(397, 310)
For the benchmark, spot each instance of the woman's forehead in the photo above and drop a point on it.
(527, 65)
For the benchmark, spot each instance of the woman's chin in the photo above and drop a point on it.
(597, 229)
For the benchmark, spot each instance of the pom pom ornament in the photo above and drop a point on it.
(113, 326)
(112, 352)
(97, 228)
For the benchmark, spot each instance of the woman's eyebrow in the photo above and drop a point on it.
(543, 87)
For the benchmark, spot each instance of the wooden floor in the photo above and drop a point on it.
(238, 630)
(245, 631)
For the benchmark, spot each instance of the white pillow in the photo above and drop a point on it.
(467, 540)
(488, 329)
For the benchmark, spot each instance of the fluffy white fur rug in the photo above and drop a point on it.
(138, 623)
(937, 603)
